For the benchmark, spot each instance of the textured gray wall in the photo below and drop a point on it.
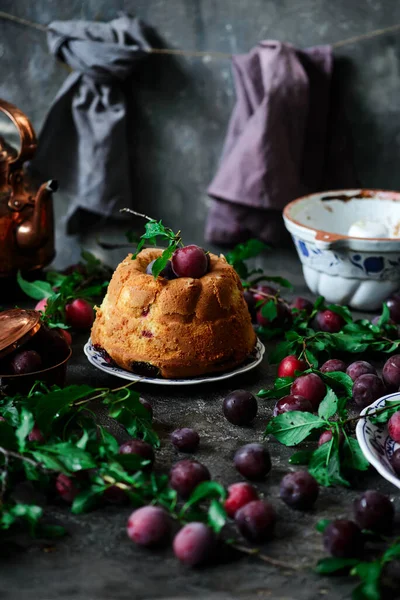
(184, 106)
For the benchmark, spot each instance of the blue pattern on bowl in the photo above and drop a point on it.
(375, 442)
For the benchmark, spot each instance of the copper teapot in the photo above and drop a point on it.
(26, 213)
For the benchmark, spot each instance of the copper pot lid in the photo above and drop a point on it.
(16, 327)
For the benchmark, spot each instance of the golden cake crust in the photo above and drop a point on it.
(184, 327)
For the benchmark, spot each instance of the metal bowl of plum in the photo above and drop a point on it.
(29, 352)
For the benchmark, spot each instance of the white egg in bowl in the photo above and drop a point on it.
(349, 244)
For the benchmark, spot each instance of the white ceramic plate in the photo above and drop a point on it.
(97, 360)
(374, 440)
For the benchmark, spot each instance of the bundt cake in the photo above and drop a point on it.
(176, 328)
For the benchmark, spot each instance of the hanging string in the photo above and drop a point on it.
(211, 53)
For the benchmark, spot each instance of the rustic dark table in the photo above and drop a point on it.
(97, 561)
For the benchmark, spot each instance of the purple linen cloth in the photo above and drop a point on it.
(287, 137)
(84, 141)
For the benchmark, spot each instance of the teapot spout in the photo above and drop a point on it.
(33, 232)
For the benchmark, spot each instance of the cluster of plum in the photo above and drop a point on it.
(373, 512)
(367, 386)
(189, 261)
(325, 320)
(46, 348)
(79, 315)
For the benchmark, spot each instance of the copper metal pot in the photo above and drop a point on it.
(26, 211)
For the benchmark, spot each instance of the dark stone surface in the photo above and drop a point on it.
(98, 561)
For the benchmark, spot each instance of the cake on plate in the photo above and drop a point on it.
(174, 328)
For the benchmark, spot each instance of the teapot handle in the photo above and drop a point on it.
(26, 134)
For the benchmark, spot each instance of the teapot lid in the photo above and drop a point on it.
(16, 327)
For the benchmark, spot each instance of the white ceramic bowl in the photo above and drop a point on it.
(359, 272)
(375, 442)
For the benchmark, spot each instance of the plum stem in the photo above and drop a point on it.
(137, 214)
(372, 414)
(265, 558)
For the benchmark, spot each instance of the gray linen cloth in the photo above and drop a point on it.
(84, 142)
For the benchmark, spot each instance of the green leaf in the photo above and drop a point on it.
(269, 310)
(392, 553)
(326, 566)
(243, 252)
(161, 261)
(384, 416)
(281, 388)
(302, 457)
(87, 499)
(322, 525)
(291, 428)
(35, 289)
(283, 349)
(51, 531)
(205, 491)
(385, 316)
(338, 378)
(343, 311)
(328, 406)
(325, 465)
(370, 574)
(311, 358)
(25, 427)
(217, 516)
(56, 403)
(69, 455)
(353, 456)
(49, 462)
(28, 512)
(8, 436)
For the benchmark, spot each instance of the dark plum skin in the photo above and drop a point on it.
(393, 304)
(190, 261)
(251, 304)
(79, 314)
(291, 403)
(394, 427)
(186, 474)
(302, 304)
(367, 388)
(326, 436)
(185, 439)
(239, 494)
(290, 365)
(66, 488)
(26, 361)
(343, 539)
(333, 365)
(194, 544)
(329, 321)
(374, 511)
(395, 461)
(253, 461)
(256, 521)
(36, 435)
(167, 271)
(391, 373)
(141, 449)
(299, 490)
(264, 291)
(309, 386)
(147, 406)
(358, 368)
(149, 526)
(240, 407)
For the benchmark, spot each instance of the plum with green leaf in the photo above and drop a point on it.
(311, 387)
(290, 365)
